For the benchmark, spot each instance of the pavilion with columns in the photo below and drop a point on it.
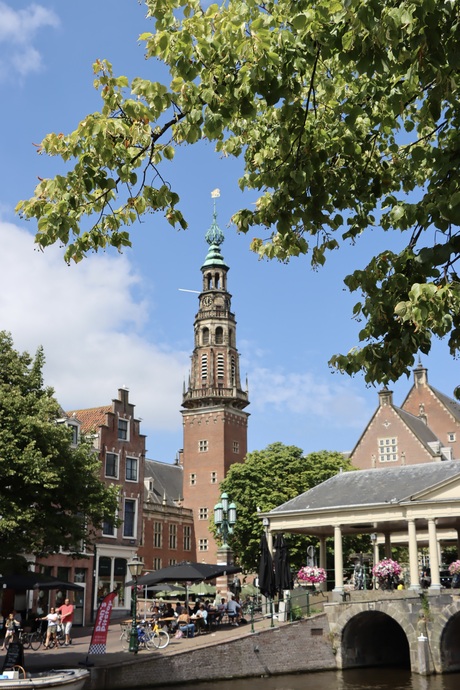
(417, 505)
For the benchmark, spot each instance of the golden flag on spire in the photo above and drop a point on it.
(215, 193)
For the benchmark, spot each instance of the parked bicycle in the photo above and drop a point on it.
(34, 640)
(148, 636)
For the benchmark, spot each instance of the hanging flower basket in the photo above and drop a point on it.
(387, 572)
(311, 575)
(454, 568)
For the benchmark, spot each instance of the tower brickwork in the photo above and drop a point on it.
(214, 421)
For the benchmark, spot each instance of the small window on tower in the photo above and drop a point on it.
(220, 366)
(451, 437)
(204, 366)
(236, 447)
(219, 335)
(192, 479)
(205, 336)
(213, 477)
(203, 514)
(203, 545)
(203, 446)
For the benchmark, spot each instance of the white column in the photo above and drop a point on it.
(413, 556)
(435, 585)
(338, 559)
(376, 554)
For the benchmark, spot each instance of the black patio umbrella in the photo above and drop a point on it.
(267, 583)
(30, 580)
(283, 576)
(186, 572)
(165, 587)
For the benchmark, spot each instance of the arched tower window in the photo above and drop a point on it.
(205, 336)
(217, 281)
(220, 366)
(219, 335)
(208, 281)
(230, 337)
(204, 367)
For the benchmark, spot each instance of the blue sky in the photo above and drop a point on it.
(122, 320)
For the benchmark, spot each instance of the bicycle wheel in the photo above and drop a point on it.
(160, 639)
(149, 640)
(35, 640)
(60, 640)
(25, 639)
(124, 637)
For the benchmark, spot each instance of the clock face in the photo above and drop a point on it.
(207, 301)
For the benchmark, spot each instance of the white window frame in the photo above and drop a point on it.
(136, 460)
(213, 477)
(203, 445)
(203, 513)
(115, 530)
(388, 449)
(117, 466)
(124, 421)
(134, 501)
(203, 545)
(192, 479)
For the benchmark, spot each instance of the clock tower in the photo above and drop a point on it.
(214, 421)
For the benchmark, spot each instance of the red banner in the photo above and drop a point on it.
(101, 627)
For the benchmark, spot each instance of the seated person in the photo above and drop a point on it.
(221, 609)
(201, 620)
(185, 625)
(233, 611)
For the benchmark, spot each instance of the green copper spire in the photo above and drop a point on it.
(214, 237)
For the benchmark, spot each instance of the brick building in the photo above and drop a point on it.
(168, 536)
(121, 447)
(214, 421)
(425, 429)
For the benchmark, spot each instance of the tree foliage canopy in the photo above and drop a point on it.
(346, 114)
(50, 490)
(268, 478)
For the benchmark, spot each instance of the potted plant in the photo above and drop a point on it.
(311, 575)
(387, 573)
(454, 570)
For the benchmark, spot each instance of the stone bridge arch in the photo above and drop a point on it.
(380, 635)
(449, 648)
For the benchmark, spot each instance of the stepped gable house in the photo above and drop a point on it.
(425, 429)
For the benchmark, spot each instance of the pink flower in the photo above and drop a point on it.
(386, 568)
(311, 574)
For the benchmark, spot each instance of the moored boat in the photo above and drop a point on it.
(59, 679)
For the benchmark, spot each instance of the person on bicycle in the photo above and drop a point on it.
(53, 619)
(66, 611)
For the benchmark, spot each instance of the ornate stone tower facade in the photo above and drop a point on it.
(215, 424)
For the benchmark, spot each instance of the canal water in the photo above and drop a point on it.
(357, 679)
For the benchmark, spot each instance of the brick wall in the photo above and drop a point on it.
(291, 648)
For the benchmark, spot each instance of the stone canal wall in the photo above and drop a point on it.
(291, 648)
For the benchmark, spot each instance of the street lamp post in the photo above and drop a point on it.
(224, 518)
(135, 568)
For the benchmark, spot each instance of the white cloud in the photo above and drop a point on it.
(90, 321)
(18, 29)
(305, 395)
